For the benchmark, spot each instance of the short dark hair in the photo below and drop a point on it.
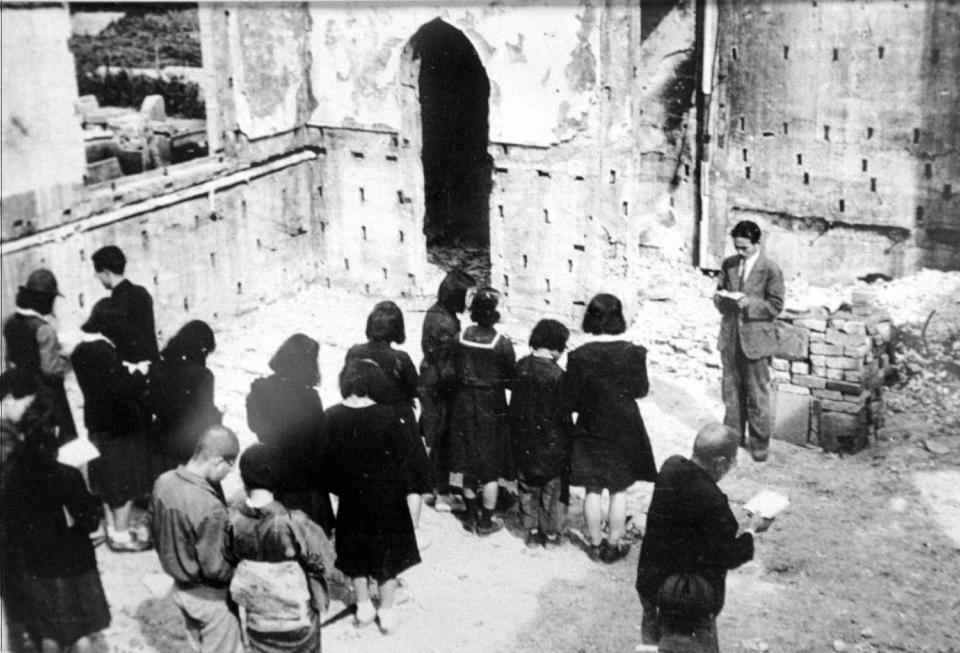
(192, 343)
(746, 229)
(483, 307)
(385, 323)
(685, 602)
(296, 360)
(604, 316)
(107, 319)
(18, 382)
(360, 377)
(109, 258)
(549, 334)
(260, 467)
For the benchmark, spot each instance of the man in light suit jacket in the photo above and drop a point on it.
(749, 296)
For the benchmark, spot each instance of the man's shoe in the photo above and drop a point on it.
(551, 541)
(364, 615)
(759, 452)
(131, 545)
(596, 551)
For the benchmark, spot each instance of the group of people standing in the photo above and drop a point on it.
(151, 414)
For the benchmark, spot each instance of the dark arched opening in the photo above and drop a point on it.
(454, 94)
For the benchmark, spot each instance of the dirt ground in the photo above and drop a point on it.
(866, 558)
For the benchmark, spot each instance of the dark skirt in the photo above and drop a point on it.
(380, 556)
(315, 503)
(480, 435)
(123, 471)
(64, 608)
(598, 463)
(301, 640)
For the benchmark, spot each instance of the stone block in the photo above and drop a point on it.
(845, 387)
(153, 108)
(852, 375)
(811, 323)
(857, 352)
(838, 428)
(798, 367)
(794, 389)
(792, 342)
(856, 398)
(100, 171)
(780, 364)
(816, 336)
(827, 394)
(791, 417)
(809, 381)
(840, 406)
(844, 363)
(836, 337)
(823, 349)
(885, 329)
(85, 104)
(781, 375)
(818, 360)
(863, 296)
(854, 327)
(863, 310)
(836, 375)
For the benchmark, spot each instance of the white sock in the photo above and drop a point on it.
(365, 610)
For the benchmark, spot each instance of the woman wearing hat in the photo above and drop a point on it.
(480, 435)
(32, 345)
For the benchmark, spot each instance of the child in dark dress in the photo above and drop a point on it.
(369, 463)
(540, 428)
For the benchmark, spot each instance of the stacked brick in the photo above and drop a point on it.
(831, 366)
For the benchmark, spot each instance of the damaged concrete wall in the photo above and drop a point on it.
(42, 147)
(839, 127)
(317, 178)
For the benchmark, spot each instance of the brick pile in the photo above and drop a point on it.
(828, 375)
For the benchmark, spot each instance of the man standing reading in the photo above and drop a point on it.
(188, 519)
(140, 343)
(749, 296)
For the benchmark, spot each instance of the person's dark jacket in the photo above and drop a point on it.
(540, 423)
(690, 528)
(399, 387)
(289, 417)
(111, 395)
(180, 394)
(441, 329)
(140, 340)
(48, 514)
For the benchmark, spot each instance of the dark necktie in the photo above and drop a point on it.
(743, 270)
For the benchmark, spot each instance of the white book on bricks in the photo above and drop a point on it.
(767, 503)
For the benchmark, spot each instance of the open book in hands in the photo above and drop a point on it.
(727, 300)
(767, 503)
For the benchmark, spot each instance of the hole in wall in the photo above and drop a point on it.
(357, 155)
(548, 284)
(328, 282)
(916, 135)
(880, 51)
(546, 216)
(569, 265)
(239, 287)
(947, 191)
(935, 56)
(836, 54)
(578, 178)
(401, 235)
(80, 299)
(734, 54)
(869, 133)
(746, 172)
(842, 206)
(873, 184)
(626, 208)
(786, 52)
(346, 264)
(500, 209)
(524, 260)
(786, 128)
(799, 159)
(454, 93)
(744, 154)
(213, 259)
(864, 164)
(826, 132)
(806, 179)
(362, 195)
(686, 169)
(743, 123)
(613, 176)
(506, 281)
(927, 170)
(186, 304)
(391, 157)
(385, 273)
(919, 216)
(156, 281)
(543, 173)
(363, 231)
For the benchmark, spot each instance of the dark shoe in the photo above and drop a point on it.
(595, 551)
(129, 546)
(490, 526)
(551, 541)
(534, 538)
(612, 553)
(759, 451)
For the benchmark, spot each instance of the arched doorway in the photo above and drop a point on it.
(454, 94)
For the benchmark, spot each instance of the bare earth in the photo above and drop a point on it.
(862, 560)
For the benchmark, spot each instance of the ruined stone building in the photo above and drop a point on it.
(580, 141)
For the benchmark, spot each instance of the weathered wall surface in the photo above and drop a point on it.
(840, 133)
(314, 113)
(40, 132)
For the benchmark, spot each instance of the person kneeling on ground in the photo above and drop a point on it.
(690, 526)
(282, 555)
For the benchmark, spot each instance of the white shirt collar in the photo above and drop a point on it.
(29, 312)
(749, 262)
